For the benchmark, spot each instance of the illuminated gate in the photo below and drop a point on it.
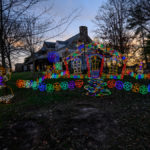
(95, 62)
(77, 65)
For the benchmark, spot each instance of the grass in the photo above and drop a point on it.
(29, 99)
(26, 99)
(131, 109)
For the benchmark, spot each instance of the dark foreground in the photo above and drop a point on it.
(85, 123)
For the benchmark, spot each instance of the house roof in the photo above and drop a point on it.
(69, 41)
(75, 37)
(50, 44)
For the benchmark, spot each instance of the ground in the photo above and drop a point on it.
(73, 121)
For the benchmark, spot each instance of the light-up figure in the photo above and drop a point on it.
(5, 75)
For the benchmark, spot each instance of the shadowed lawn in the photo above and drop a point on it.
(69, 120)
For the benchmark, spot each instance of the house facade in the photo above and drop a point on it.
(63, 48)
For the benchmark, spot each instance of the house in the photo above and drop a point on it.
(64, 48)
(19, 67)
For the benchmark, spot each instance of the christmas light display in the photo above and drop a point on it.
(149, 88)
(111, 83)
(135, 88)
(64, 85)
(5, 75)
(113, 69)
(71, 85)
(119, 85)
(42, 87)
(1, 81)
(35, 85)
(127, 86)
(79, 83)
(96, 56)
(95, 87)
(49, 88)
(77, 66)
(57, 86)
(53, 57)
(143, 89)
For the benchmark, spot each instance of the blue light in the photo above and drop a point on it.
(149, 88)
(81, 46)
(123, 58)
(114, 77)
(139, 76)
(53, 57)
(119, 85)
(42, 87)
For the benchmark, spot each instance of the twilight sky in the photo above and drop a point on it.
(62, 8)
(88, 8)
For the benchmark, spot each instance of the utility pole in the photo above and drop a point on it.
(1, 35)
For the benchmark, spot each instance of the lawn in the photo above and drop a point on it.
(70, 120)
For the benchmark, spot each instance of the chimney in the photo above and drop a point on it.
(83, 31)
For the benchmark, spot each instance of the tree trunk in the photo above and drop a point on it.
(1, 36)
(9, 62)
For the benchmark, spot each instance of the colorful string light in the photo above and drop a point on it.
(71, 85)
(95, 64)
(49, 88)
(149, 88)
(127, 86)
(143, 89)
(64, 85)
(111, 83)
(119, 85)
(135, 88)
(79, 83)
(57, 86)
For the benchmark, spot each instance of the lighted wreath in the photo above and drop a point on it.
(57, 86)
(135, 88)
(49, 88)
(111, 83)
(71, 85)
(64, 85)
(127, 86)
(119, 85)
(79, 83)
(143, 89)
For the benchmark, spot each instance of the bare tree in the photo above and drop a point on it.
(139, 22)
(10, 12)
(35, 31)
(14, 20)
(111, 25)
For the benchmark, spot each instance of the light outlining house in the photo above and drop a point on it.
(94, 56)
